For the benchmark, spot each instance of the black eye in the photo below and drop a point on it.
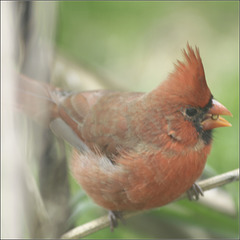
(191, 112)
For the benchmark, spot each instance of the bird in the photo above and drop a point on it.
(133, 150)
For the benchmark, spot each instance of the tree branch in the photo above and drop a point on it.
(102, 222)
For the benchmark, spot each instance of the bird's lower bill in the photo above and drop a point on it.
(214, 121)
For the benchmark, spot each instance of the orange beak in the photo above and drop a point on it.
(213, 120)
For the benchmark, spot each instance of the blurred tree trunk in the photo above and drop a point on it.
(48, 202)
(12, 169)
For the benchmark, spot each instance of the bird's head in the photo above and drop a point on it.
(186, 97)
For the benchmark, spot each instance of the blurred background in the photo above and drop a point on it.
(130, 46)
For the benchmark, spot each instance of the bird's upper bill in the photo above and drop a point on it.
(213, 120)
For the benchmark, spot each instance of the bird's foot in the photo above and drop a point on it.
(114, 216)
(194, 192)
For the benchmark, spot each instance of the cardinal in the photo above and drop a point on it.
(132, 150)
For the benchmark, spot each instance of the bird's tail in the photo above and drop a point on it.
(36, 99)
(41, 102)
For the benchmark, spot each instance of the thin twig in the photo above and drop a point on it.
(102, 222)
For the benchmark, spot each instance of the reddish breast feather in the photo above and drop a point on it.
(141, 181)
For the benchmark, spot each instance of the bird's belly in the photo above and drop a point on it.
(143, 181)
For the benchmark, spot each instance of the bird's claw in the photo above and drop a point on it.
(194, 192)
(114, 216)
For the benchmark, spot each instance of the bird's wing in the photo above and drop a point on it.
(96, 120)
